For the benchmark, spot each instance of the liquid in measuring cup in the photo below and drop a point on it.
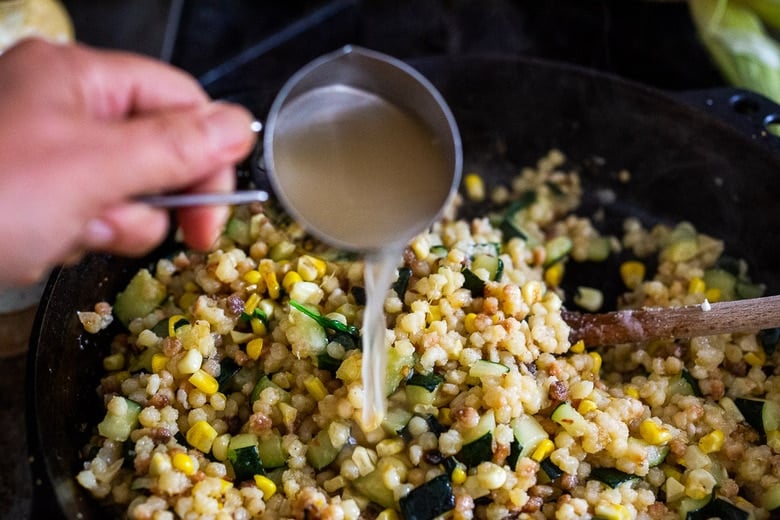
(363, 169)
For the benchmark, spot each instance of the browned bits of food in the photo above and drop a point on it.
(558, 391)
(236, 389)
(533, 504)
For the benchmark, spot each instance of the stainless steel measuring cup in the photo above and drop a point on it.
(360, 148)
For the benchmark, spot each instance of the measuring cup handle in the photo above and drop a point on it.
(251, 173)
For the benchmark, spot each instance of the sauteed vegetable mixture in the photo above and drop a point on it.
(233, 387)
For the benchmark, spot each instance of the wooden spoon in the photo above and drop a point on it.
(636, 325)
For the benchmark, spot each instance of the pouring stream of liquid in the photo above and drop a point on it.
(378, 274)
(637, 325)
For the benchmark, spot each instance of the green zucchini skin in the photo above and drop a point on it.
(763, 415)
(477, 452)
(244, 456)
(429, 381)
(612, 477)
(227, 369)
(473, 283)
(426, 502)
(401, 283)
(551, 469)
(718, 508)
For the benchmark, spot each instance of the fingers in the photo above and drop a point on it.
(126, 229)
(105, 83)
(134, 228)
(173, 150)
(201, 226)
(115, 84)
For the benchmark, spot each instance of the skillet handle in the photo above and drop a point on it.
(754, 115)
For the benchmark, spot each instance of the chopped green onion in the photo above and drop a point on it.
(327, 323)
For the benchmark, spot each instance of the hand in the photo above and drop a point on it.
(82, 133)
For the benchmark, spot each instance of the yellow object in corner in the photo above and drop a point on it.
(46, 19)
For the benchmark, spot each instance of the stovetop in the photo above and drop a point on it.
(235, 45)
(229, 44)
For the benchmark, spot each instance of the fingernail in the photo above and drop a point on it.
(98, 234)
(228, 126)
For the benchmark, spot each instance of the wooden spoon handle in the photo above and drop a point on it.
(635, 325)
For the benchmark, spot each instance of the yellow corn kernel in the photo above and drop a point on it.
(254, 348)
(190, 363)
(191, 287)
(184, 463)
(756, 359)
(173, 324)
(458, 475)
(224, 485)
(258, 327)
(219, 448)
(773, 440)
(474, 186)
(631, 391)
(272, 284)
(445, 416)
(609, 511)
(578, 348)
(160, 463)
(159, 362)
(672, 472)
(389, 447)
(251, 302)
(696, 285)
(434, 313)
(350, 369)
(586, 405)
(290, 279)
(711, 442)
(114, 362)
(543, 450)
(653, 433)
(267, 307)
(121, 376)
(554, 274)
(387, 514)
(712, 294)
(469, 322)
(252, 277)
(632, 273)
(239, 337)
(204, 382)
(596, 357)
(311, 268)
(187, 300)
(266, 485)
(201, 435)
(316, 387)
(696, 490)
(289, 414)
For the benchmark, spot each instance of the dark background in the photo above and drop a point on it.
(649, 41)
(231, 45)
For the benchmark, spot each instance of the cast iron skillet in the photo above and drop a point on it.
(685, 164)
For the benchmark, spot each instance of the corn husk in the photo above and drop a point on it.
(737, 35)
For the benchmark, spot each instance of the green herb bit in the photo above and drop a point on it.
(327, 323)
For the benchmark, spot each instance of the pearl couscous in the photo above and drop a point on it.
(233, 387)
